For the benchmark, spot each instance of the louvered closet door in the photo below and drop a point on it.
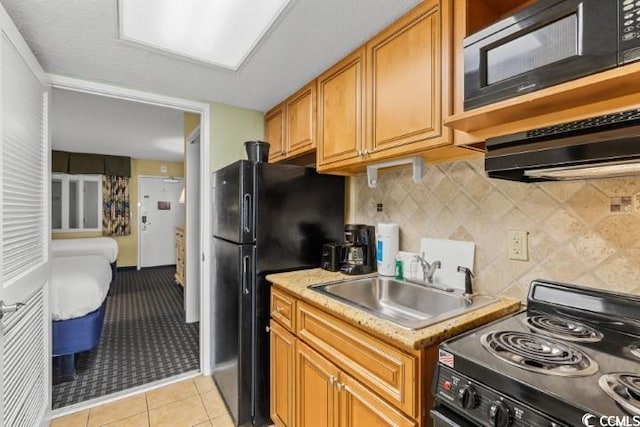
(24, 233)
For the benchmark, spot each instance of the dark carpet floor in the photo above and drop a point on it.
(144, 339)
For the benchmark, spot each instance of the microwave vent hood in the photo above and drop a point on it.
(597, 147)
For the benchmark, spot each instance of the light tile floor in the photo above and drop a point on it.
(188, 403)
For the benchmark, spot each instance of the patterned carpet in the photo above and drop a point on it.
(144, 339)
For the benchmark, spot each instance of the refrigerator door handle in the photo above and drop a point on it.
(246, 213)
(245, 274)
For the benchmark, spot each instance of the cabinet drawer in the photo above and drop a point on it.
(384, 369)
(283, 309)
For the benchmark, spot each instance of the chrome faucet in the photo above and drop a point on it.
(428, 270)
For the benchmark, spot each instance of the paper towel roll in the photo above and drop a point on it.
(387, 248)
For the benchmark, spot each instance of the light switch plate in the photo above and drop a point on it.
(518, 246)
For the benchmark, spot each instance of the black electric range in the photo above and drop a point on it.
(570, 359)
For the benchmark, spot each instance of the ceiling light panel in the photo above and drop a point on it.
(218, 32)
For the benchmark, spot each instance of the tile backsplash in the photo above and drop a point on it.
(584, 232)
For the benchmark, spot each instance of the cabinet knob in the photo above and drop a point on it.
(267, 329)
(340, 386)
(279, 309)
(332, 380)
(365, 152)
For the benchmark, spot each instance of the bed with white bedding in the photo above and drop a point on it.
(106, 247)
(79, 285)
(78, 292)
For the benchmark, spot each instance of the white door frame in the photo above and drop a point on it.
(139, 202)
(192, 236)
(92, 88)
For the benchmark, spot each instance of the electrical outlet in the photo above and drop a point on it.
(518, 245)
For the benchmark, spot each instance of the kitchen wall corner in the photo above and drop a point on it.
(584, 232)
(230, 128)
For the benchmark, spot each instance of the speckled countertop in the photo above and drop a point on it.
(297, 283)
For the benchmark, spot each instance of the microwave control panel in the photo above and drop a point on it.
(629, 30)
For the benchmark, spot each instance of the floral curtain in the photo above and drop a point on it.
(115, 206)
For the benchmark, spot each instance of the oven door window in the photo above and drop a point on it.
(553, 42)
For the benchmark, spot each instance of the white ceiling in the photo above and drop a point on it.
(95, 124)
(79, 39)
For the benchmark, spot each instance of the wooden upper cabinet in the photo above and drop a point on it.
(404, 77)
(274, 132)
(340, 111)
(300, 121)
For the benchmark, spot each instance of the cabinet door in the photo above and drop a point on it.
(274, 132)
(316, 395)
(282, 371)
(340, 111)
(301, 121)
(404, 82)
(360, 407)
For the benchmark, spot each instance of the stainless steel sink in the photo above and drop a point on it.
(408, 305)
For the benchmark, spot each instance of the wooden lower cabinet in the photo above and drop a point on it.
(359, 406)
(326, 396)
(327, 373)
(282, 375)
(316, 388)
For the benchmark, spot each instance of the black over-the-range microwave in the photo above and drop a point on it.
(549, 42)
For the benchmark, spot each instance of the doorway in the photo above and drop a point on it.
(160, 212)
(199, 199)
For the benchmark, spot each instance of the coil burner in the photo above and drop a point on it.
(540, 354)
(624, 388)
(558, 327)
(634, 349)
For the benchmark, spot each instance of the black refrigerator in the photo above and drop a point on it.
(267, 218)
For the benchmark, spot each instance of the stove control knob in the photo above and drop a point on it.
(499, 415)
(467, 397)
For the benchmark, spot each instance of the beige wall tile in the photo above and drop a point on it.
(515, 191)
(78, 419)
(538, 205)
(564, 225)
(572, 234)
(621, 271)
(590, 248)
(590, 204)
(562, 191)
(183, 413)
(117, 410)
(462, 173)
(171, 393)
(620, 230)
(447, 190)
(618, 186)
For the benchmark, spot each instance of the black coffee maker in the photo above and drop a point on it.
(359, 250)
